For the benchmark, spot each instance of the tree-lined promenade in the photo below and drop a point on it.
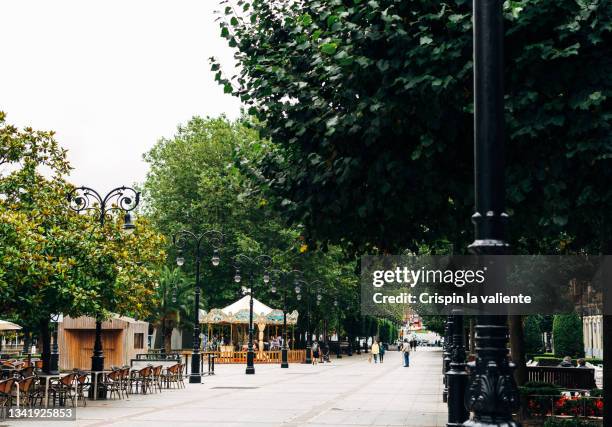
(370, 127)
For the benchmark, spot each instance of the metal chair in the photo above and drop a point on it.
(64, 388)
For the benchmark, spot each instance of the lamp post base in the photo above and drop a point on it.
(308, 356)
(250, 369)
(284, 358)
(195, 378)
(97, 363)
(54, 364)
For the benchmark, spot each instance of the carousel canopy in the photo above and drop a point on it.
(8, 326)
(238, 312)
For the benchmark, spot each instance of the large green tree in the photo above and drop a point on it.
(202, 179)
(54, 260)
(369, 105)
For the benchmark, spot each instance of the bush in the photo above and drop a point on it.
(533, 334)
(574, 422)
(567, 335)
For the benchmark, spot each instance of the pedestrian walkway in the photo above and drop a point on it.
(346, 392)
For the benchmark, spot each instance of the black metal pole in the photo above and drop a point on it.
(250, 368)
(97, 360)
(308, 345)
(446, 355)
(493, 393)
(195, 377)
(457, 376)
(54, 359)
(339, 350)
(284, 349)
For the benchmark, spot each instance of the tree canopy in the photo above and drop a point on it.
(201, 179)
(369, 108)
(54, 260)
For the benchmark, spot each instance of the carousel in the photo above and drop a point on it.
(227, 331)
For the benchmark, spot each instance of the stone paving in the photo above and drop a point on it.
(346, 392)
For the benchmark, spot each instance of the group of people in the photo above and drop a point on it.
(567, 363)
(320, 352)
(378, 351)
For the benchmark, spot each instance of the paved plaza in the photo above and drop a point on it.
(346, 392)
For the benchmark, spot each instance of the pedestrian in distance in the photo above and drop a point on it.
(406, 353)
(315, 352)
(381, 352)
(375, 351)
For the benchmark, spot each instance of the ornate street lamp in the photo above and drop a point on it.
(338, 350)
(492, 394)
(122, 199)
(263, 262)
(210, 239)
(308, 290)
(284, 281)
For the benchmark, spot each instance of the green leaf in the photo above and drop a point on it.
(329, 48)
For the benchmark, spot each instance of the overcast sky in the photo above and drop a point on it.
(110, 77)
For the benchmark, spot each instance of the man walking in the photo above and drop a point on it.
(406, 353)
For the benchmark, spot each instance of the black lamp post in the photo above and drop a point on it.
(261, 261)
(210, 239)
(284, 277)
(54, 359)
(492, 393)
(122, 199)
(338, 350)
(308, 288)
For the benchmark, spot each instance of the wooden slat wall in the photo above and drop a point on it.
(77, 348)
(76, 339)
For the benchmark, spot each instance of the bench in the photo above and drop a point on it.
(571, 378)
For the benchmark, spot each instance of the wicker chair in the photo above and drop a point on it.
(142, 379)
(27, 390)
(6, 388)
(64, 388)
(124, 384)
(112, 383)
(157, 377)
(27, 372)
(169, 376)
(82, 386)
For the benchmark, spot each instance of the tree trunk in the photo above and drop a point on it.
(45, 338)
(167, 340)
(517, 348)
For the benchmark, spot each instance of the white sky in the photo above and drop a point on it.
(110, 77)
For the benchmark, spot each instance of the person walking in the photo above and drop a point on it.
(315, 352)
(381, 352)
(375, 351)
(406, 353)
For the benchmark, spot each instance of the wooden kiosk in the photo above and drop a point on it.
(122, 338)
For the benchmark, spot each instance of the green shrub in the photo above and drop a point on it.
(567, 335)
(572, 422)
(533, 334)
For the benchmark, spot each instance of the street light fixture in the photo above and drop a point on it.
(211, 239)
(308, 290)
(284, 276)
(123, 199)
(261, 261)
(339, 350)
